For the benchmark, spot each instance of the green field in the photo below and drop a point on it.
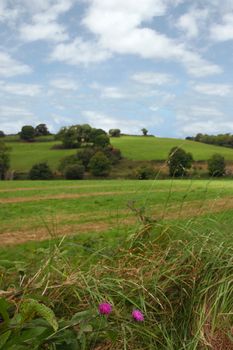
(29, 208)
(163, 247)
(157, 148)
(24, 155)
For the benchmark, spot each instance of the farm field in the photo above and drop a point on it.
(24, 155)
(34, 210)
(72, 244)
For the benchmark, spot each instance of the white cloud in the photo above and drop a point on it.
(9, 67)
(43, 31)
(79, 51)
(119, 27)
(13, 118)
(64, 84)
(192, 21)
(192, 119)
(44, 25)
(111, 92)
(20, 89)
(223, 31)
(213, 89)
(152, 78)
(127, 125)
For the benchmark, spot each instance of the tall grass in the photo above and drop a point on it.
(184, 288)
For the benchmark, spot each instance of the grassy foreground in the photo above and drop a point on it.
(175, 266)
(25, 155)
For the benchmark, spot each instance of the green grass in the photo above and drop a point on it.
(157, 148)
(25, 155)
(176, 270)
(71, 206)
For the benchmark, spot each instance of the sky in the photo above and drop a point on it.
(165, 65)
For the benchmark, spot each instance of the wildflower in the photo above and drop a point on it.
(137, 316)
(105, 308)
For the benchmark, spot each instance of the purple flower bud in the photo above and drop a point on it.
(137, 316)
(105, 308)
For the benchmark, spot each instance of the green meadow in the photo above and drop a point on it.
(163, 247)
(25, 155)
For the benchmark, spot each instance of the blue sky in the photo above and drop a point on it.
(161, 64)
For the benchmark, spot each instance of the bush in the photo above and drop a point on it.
(113, 154)
(2, 134)
(216, 165)
(99, 164)
(65, 161)
(41, 130)
(27, 133)
(74, 172)
(114, 132)
(145, 173)
(40, 171)
(84, 155)
(179, 161)
(4, 160)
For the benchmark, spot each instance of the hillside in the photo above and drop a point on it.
(156, 148)
(24, 155)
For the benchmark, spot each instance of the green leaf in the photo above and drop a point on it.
(31, 308)
(4, 310)
(3, 339)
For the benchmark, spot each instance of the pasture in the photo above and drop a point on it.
(25, 155)
(33, 210)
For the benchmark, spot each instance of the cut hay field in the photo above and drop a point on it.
(34, 210)
(24, 155)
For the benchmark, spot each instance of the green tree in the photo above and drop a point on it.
(114, 132)
(179, 161)
(27, 133)
(40, 171)
(41, 130)
(68, 160)
(217, 165)
(68, 137)
(144, 131)
(74, 172)
(4, 160)
(2, 134)
(99, 164)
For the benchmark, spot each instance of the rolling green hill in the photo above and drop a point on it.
(156, 148)
(24, 155)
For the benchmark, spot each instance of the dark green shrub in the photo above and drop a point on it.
(4, 160)
(113, 154)
(84, 155)
(179, 161)
(27, 133)
(40, 171)
(2, 134)
(69, 160)
(99, 164)
(114, 132)
(41, 130)
(74, 172)
(101, 141)
(145, 173)
(217, 165)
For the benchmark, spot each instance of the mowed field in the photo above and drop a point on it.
(39, 210)
(25, 155)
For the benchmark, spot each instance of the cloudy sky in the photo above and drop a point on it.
(161, 64)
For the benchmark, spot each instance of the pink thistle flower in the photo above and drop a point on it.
(105, 308)
(137, 316)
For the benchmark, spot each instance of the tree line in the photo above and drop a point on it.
(225, 140)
